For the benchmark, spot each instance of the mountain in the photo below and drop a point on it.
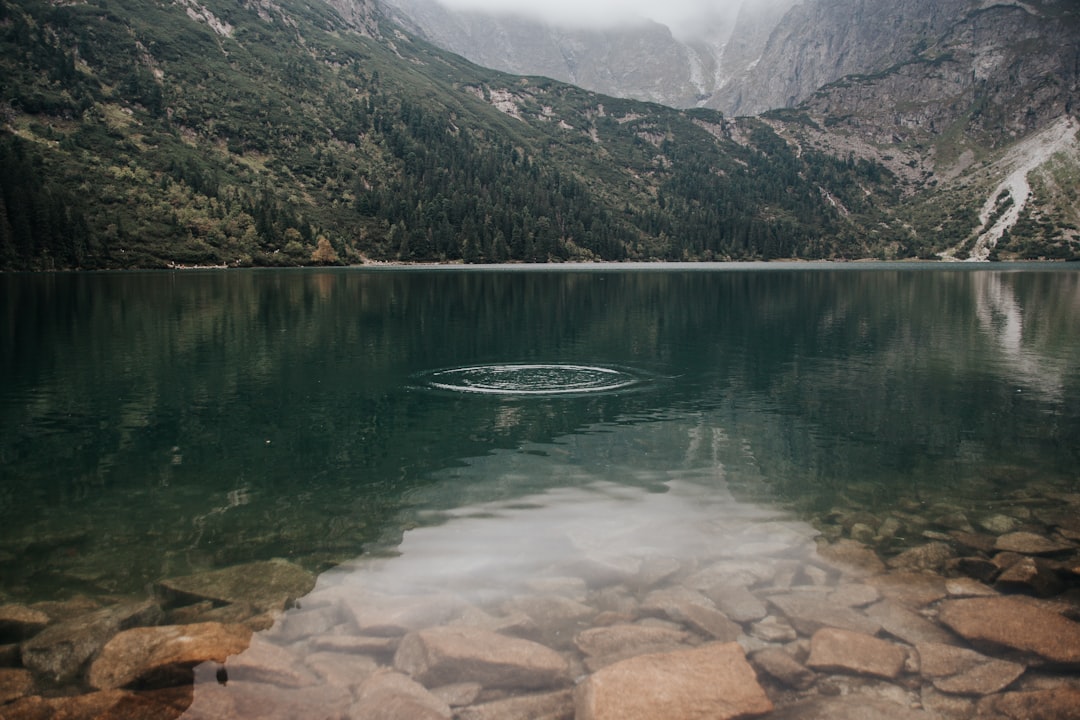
(150, 133)
(139, 133)
(962, 100)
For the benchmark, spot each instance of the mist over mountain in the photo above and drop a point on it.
(136, 133)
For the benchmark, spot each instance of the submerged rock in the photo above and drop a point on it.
(59, 651)
(14, 684)
(19, 622)
(1015, 624)
(1060, 703)
(843, 708)
(268, 585)
(445, 655)
(931, 556)
(965, 672)
(557, 705)
(713, 682)
(1027, 543)
(164, 655)
(392, 696)
(779, 664)
(1035, 576)
(852, 652)
(624, 640)
(737, 603)
(808, 612)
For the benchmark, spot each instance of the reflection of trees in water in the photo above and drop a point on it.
(822, 381)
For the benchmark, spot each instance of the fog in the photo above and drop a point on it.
(682, 16)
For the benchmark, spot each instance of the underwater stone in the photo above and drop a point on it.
(268, 585)
(850, 555)
(965, 672)
(844, 651)
(906, 625)
(1027, 543)
(779, 664)
(998, 524)
(389, 695)
(627, 639)
(14, 684)
(1016, 624)
(713, 682)
(1059, 703)
(545, 706)
(59, 651)
(164, 655)
(1033, 575)
(809, 612)
(737, 603)
(19, 622)
(446, 655)
(931, 556)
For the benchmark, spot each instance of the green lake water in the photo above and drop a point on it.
(163, 423)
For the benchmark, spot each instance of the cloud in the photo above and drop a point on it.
(679, 15)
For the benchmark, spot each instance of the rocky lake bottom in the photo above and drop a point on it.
(682, 604)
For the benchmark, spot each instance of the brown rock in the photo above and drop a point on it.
(557, 705)
(161, 704)
(244, 700)
(851, 555)
(842, 708)
(1061, 703)
(1015, 624)
(968, 587)
(388, 616)
(854, 595)
(264, 662)
(913, 589)
(710, 622)
(627, 639)
(445, 655)
(359, 644)
(268, 585)
(164, 655)
(392, 696)
(780, 665)
(808, 612)
(343, 670)
(773, 629)
(18, 622)
(14, 684)
(59, 651)
(851, 652)
(974, 567)
(974, 541)
(713, 682)
(1033, 575)
(931, 556)
(75, 707)
(737, 603)
(1027, 543)
(965, 672)
(458, 694)
(907, 625)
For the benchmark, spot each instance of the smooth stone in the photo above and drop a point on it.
(387, 616)
(836, 650)
(264, 662)
(854, 595)
(75, 707)
(860, 532)
(341, 670)
(654, 570)
(515, 623)
(61, 610)
(713, 682)
(976, 568)
(998, 524)
(974, 541)
(19, 622)
(931, 556)
(548, 610)
(244, 700)
(851, 556)
(737, 603)
(955, 520)
(445, 655)
(14, 684)
(889, 528)
(909, 626)
(164, 655)
(1015, 624)
(912, 589)
(458, 694)
(944, 705)
(710, 622)
(558, 705)
(357, 644)
(733, 573)
(965, 672)
(302, 624)
(779, 664)
(809, 612)
(670, 602)
(1060, 703)
(389, 695)
(773, 629)
(847, 708)
(267, 585)
(59, 651)
(1033, 575)
(968, 587)
(623, 639)
(1027, 543)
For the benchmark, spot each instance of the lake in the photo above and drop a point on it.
(538, 453)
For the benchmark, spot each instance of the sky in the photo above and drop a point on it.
(679, 15)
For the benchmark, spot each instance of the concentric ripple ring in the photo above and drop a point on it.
(531, 379)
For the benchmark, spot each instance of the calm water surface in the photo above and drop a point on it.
(159, 424)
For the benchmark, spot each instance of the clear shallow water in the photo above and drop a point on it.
(157, 424)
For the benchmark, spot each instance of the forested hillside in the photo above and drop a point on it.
(141, 134)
